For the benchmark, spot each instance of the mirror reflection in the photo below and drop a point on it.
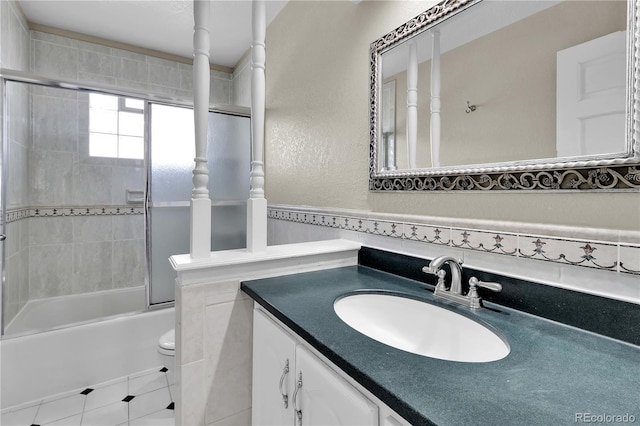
(509, 82)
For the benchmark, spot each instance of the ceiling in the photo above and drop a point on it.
(162, 25)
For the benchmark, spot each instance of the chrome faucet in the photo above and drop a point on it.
(454, 293)
(435, 268)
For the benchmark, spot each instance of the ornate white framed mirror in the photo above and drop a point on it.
(508, 95)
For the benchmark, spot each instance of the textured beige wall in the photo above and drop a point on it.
(317, 121)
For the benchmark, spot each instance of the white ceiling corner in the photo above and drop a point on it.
(162, 25)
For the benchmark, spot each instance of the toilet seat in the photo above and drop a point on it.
(167, 343)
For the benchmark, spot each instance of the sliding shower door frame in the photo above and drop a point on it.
(150, 203)
(8, 75)
(3, 199)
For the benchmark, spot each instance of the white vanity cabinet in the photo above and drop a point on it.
(273, 371)
(325, 398)
(308, 392)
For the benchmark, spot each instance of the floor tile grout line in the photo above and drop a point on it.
(128, 402)
(162, 408)
(35, 416)
(166, 376)
(83, 410)
(51, 398)
(84, 405)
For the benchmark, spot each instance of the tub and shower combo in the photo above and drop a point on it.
(95, 186)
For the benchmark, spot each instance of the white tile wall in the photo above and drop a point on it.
(588, 263)
(214, 327)
(242, 82)
(14, 37)
(215, 351)
(61, 57)
(228, 340)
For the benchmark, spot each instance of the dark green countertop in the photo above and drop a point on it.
(552, 374)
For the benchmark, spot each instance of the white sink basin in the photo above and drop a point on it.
(420, 328)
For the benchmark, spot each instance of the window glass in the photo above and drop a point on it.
(134, 104)
(131, 124)
(103, 121)
(103, 145)
(107, 102)
(130, 147)
(116, 127)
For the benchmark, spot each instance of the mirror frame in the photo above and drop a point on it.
(613, 173)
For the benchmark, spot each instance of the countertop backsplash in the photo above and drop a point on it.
(590, 280)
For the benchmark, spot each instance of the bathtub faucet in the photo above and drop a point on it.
(454, 293)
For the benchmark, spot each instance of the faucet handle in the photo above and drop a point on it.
(437, 272)
(441, 274)
(473, 282)
(475, 302)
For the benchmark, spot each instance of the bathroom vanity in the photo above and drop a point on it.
(310, 367)
(282, 357)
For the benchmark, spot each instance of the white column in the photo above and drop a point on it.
(200, 245)
(257, 204)
(435, 100)
(412, 104)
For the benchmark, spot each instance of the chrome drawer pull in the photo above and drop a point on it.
(285, 371)
(295, 402)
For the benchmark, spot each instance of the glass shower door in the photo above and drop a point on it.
(72, 185)
(172, 152)
(3, 237)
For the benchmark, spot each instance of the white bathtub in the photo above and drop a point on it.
(55, 312)
(39, 365)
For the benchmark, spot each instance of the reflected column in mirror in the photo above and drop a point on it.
(435, 99)
(412, 104)
(411, 134)
(388, 141)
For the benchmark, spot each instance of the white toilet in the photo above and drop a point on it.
(167, 348)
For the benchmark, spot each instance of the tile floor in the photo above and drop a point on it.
(141, 399)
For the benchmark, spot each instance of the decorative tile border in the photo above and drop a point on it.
(427, 234)
(597, 254)
(14, 215)
(629, 259)
(600, 255)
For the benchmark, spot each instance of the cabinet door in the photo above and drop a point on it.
(325, 398)
(273, 385)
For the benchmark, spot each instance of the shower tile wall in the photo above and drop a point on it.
(242, 82)
(59, 251)
(14, 54)
(14, 37)
(71, 255)
(61, 254)
(61, 57)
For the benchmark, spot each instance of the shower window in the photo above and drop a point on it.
(116, 127)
